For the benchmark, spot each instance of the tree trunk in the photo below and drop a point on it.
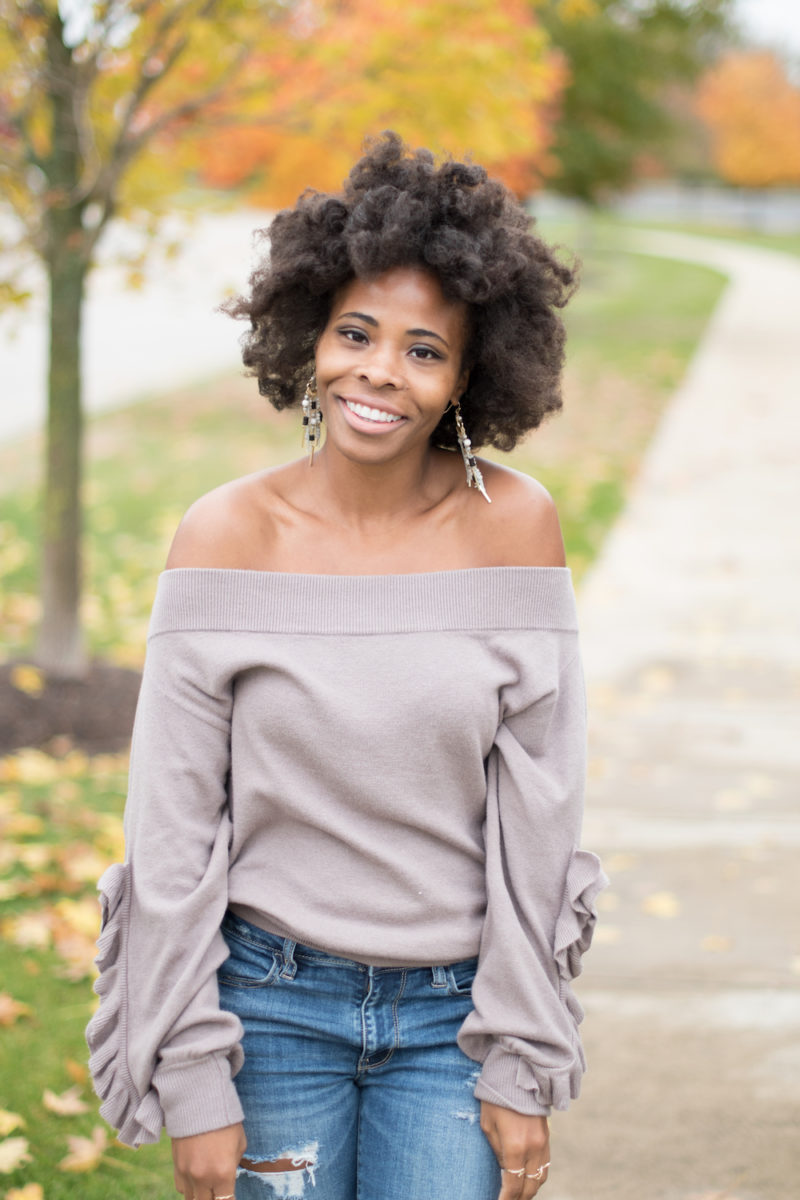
(61, 650)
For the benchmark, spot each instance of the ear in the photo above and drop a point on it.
(461, 385)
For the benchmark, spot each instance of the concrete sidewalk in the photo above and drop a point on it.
(691, 622)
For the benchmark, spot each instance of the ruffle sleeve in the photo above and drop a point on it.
(138, 1118)
(162, 1052)
(541, 892)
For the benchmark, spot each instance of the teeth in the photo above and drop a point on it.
(372, 414)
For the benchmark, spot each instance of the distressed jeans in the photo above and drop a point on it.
(353, 1086)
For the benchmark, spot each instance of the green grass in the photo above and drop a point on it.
(632, 328)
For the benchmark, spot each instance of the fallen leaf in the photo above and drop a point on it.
(27, 679)
(85, 1153)
(715, 943)
(732, 800)
(664, 905)
(77, 1071)
(13, 1154)
(607, 935)
(9, 1121)
(65, 1104)
(31, 1191)
(615, 863)
(11, 1010)
(30, 930)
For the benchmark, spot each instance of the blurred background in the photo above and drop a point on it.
(141, 144)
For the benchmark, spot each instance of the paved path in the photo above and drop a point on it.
(691, 622)
(137, 342)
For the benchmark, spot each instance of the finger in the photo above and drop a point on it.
(513, 1185)
(535, 1177)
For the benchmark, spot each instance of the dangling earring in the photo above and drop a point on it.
(474, 477)
(312, 419)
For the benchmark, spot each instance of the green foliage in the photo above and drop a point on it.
(623, 57)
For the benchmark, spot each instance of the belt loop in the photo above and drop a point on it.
(289, 965)
(439, 977)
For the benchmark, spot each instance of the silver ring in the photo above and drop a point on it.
(518, 1173)
(539, 1172)
(231, 1197)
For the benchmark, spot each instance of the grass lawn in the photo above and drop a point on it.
(632, 329)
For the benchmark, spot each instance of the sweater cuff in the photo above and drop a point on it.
(499, 1084)
(198, 1097)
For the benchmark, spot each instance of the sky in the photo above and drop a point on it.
(774, 22)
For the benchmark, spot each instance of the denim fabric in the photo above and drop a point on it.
(353, 1073)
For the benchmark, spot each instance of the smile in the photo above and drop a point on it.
(372, 414)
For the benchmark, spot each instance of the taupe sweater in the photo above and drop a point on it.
(387, 768)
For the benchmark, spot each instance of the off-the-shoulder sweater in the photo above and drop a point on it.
(386, 768)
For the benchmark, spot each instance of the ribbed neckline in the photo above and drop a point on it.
(482, 598)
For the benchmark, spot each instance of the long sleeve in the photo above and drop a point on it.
(540, 896)
(162, 1051)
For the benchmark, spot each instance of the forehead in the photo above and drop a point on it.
(401, 293)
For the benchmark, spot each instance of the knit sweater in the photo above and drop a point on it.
(386, 768)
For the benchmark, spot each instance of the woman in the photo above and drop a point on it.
(339, 951)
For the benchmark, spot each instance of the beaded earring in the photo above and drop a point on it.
(312, 419)
(474, 477)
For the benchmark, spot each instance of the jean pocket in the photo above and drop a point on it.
(247, 966)
(460, 976)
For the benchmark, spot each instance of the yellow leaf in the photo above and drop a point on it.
(11, 1010)
(85, 1153)
(31, 930)
(13, 1154)
(77, 1071)
(27, 679)
(31, 1191)
(9, 1121)
(67, 1104)
(714, 943)
(661, 904)
(607, 935)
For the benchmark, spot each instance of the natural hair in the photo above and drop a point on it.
(400, 208)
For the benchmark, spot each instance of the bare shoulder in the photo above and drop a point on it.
(522, 522)
(221, 528)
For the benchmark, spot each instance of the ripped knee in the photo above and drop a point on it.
(287, 1172)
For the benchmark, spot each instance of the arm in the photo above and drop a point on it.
(162, 1050)
(540, 894)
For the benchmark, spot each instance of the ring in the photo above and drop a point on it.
(537, 1174)
(231, 1197)
(518, 1173)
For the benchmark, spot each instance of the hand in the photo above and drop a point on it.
(522, 1146)
(205, 1164)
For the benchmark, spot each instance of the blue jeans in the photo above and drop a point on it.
(352, 1080)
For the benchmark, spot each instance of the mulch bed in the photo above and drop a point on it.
(95, 714)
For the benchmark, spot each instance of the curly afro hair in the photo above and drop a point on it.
(400, 208)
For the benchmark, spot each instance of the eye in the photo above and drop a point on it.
(425, 353)
(354, 335)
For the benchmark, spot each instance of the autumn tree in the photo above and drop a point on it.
(473, 76)
(105, 105)
(751, 109)
(91, 98)
(623, 57)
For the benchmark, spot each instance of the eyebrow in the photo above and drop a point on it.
(414, 332)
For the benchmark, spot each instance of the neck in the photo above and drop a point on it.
(371, 497)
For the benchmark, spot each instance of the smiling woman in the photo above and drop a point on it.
(340, 948)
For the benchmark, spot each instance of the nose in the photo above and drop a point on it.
(380, 368)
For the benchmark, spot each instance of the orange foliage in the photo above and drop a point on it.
(470, 76)
(752, 111)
